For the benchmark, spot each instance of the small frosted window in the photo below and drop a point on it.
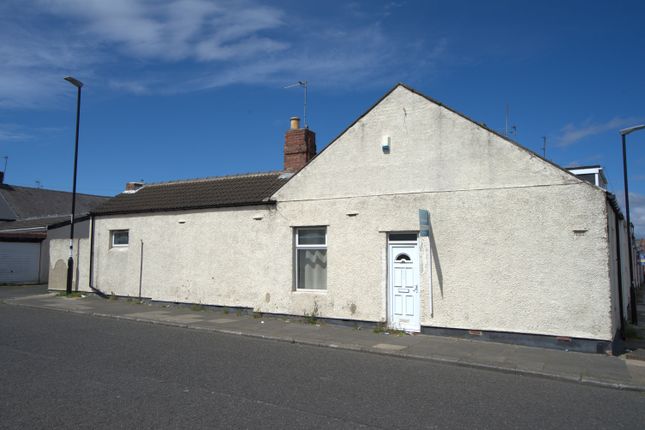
(120, 237)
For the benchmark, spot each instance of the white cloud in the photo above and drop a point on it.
(571, 133)
(175, 30)
(12, 133)
(155, 46)
(134, 87)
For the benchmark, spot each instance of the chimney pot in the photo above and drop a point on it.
(295, 123)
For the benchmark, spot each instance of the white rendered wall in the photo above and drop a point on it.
(516, 244)
(58, 255)
(506, 256)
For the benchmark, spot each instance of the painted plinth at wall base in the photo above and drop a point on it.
(537, 340)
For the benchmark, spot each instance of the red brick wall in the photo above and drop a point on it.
(299, 148)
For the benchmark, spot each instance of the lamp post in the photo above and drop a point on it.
(70, 261)
(632, 292)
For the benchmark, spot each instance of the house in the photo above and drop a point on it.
(592, 174)
(415, 216)
(26, 214)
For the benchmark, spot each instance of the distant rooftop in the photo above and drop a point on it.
(22, 203)
(592, 174)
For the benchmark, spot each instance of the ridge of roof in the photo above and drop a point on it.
(213, 178)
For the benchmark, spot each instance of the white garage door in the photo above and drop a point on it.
(19, 262)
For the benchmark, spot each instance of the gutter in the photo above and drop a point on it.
(26, 229)
(178, 209)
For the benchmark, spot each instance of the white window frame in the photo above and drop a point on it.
(297, 247)
(119, 245)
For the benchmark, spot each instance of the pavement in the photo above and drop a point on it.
(592, 369)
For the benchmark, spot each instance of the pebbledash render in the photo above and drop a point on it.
(415, 216)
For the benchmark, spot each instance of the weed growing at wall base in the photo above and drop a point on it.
(312, 318)
(73, 294)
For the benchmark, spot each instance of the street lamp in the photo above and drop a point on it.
(632, 292)
(70, 261)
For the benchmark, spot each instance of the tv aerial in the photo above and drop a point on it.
(302, 84)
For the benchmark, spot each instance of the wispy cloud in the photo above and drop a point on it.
(176, 30)
(12, 133)
(571, 133)
(186, 45)
(134, 87)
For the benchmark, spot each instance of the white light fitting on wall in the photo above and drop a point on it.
(385, 144)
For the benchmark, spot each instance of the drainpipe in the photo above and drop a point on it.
(140, 270)
(91, 280)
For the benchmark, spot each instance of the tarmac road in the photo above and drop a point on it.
(60, 370)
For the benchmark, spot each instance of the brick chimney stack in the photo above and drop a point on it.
(299, 146)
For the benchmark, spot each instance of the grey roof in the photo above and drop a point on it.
(20, 203)
(214, 192)
(34, 223)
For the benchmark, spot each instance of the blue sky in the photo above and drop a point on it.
(183, 89)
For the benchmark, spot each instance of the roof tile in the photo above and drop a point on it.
(223, 191)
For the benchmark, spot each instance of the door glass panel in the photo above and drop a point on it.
(403, 258)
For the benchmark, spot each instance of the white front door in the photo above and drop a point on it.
(404, 287)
